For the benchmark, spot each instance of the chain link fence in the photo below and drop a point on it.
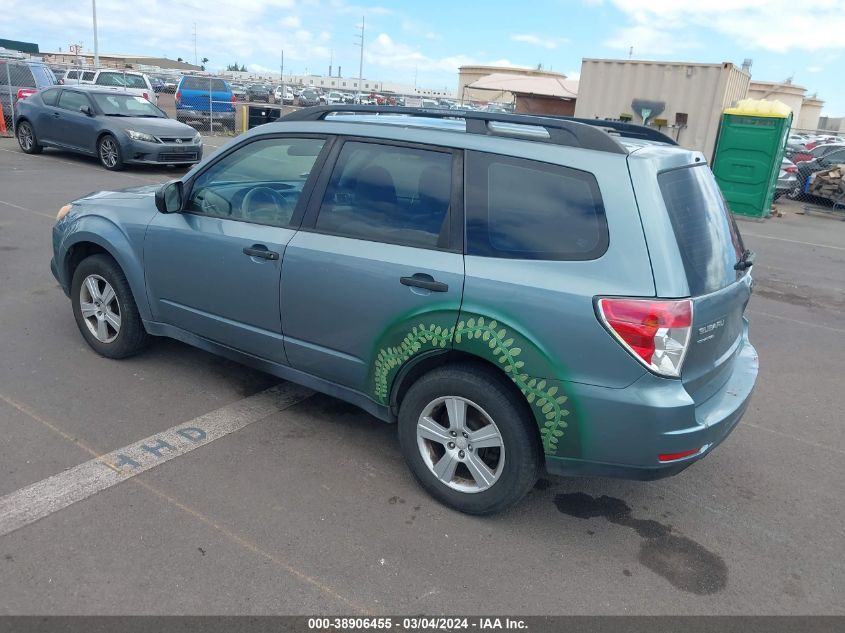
(17, 81)
(813, 171)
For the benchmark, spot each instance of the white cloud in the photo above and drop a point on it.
(814, 69)
(536, 40)
(386, 52)
(649, 40)
(772, 25)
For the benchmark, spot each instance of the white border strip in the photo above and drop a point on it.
(41, 499)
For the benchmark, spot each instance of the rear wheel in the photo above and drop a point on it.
(468, 439)
(108, 150)
(27, 139)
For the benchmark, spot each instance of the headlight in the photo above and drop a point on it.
(141, 136)
(198, 139)
(63, 211)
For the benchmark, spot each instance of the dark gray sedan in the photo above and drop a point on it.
(116, 127)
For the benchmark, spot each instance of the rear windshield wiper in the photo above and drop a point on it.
(746, 260)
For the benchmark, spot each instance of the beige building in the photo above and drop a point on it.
(784, 91)
(811, 111)
(684, 100)
(137, 62)
(471, 74)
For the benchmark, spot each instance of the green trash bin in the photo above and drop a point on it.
(748, 155)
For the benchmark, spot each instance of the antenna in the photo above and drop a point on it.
(195, 44)
(630, 52)
(746, 64)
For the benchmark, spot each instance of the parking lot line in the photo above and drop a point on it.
(784, 239)
(68, 162)
(43, 498)
(797, 321)
(20, 208)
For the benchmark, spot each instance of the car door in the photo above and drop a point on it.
(380, 250)
(213, 270)
(71, 127)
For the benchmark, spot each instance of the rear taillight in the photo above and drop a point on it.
(790, 169)
(233, 98)
(146, 96)
(178, 96)
(23, 93)
(655, 331)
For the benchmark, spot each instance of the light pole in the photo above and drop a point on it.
(96, 47)
(361, 60)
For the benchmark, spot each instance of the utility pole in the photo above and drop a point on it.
(282, 73)
(331, 60)
(195, 44)
(361, 59)
(96, 47)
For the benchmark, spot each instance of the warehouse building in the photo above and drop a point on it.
(684, 100)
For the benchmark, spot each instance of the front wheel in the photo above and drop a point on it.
(469, 439)
(27, 139)
(105, 309)
(108, 149)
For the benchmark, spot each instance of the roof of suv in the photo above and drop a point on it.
(607, 136)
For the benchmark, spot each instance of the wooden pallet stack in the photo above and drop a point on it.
(829, 183)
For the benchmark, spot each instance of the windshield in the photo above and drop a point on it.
(121, 79)
(126, 105)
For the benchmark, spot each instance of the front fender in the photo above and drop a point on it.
(110, 237)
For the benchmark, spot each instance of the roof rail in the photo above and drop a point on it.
(623, 129)
(584, 133)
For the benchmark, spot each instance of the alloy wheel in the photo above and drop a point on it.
(100, 308)
(108, 152)
(461, 444)
(25, 136)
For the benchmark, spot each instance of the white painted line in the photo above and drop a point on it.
(43, 498)
(15, 206)
(783, 239)
(55, 159)
(798, 321)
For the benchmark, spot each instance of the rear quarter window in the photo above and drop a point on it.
(523, 209)
(706, 233)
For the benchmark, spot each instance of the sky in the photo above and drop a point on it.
(425, 42)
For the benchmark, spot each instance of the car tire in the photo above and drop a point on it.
(27, 140)
(99, 293)
(442, 458)
(108, 151)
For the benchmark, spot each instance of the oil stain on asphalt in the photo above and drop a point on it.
(680, 560)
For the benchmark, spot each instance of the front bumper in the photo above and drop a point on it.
(142, 152)
(623, 431)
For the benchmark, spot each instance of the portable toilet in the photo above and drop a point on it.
(749, 150)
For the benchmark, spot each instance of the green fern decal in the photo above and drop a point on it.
(542, 397)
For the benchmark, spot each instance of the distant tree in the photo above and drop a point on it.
(179, 59)
(204, 62)
(233, 67)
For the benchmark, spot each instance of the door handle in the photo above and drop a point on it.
(56, 115)
(261, 251)
(423, 280)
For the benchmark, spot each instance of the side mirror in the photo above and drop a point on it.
(86, 110)
(168, 197)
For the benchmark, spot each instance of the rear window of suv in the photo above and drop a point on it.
(523, 209)
(202, 83)
(706, 233)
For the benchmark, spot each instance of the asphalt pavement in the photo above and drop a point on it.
(293, 502)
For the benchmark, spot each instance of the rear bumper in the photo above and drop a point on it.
(623, 431)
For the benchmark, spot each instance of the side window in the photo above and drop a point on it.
(392, 194)
(259, 182)
(88, 76)
(49, 97)
(836, 157)
(72, 74)
(523, 209)
(70, 100)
